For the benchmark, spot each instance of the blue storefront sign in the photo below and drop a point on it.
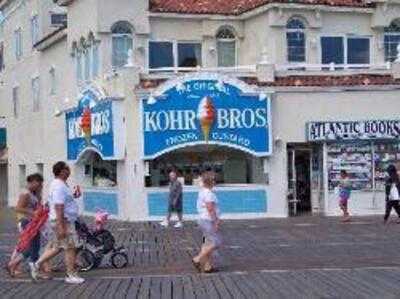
(206, 109)
(94, 125)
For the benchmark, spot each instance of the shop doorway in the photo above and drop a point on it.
(299, 180)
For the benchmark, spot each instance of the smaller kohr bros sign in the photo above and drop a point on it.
(353, 130)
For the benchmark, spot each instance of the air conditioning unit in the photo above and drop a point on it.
(59, 19)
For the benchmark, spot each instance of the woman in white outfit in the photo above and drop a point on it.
(209, 222)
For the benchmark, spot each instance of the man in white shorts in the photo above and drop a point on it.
(63, 214)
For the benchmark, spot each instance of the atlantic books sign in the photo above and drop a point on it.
(206, 109)
(353, 130)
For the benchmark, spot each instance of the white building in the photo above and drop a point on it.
(276, 97)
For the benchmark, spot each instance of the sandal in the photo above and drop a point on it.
(211, 270)
(9, 271)
(197, 265)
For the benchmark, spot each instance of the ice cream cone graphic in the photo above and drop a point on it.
(86, 124)
(206, 116)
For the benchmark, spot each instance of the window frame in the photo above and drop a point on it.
(18, 43)
(345, 38)
(2, 66)
(294, 30)
(390, 33)
(178, 42)
(87, 63)
(235, 39)
(115, 34)
(172, 42)
(35, 30)
(175, 44)
(35, 93)
(53, 81)
(95, 59)
(15, 101)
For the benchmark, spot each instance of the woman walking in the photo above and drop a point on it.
(344, 194)
(392, 188)
(209, 222)
(27, 205)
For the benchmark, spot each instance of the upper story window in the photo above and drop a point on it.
(1, 56)
(391, 40)
(53, 80)
(226, 47)
(87, 63)
(15, 101)
(189, 54)
(36, 94)
(296, 40)
(345, 50)
(35, 29)
(87, 60)
(122, 43)
(161, 54)
(174, 54)
(18, 43)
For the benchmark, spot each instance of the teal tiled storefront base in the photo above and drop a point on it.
(94, 201)
(230, 202)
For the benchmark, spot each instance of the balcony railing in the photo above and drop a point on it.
(333, 67)
(280, 69)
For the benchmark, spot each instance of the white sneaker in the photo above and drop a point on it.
(179, 224)
(34, 271)
(164, 223)
(74, 279)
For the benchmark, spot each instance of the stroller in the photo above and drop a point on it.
(97, 244)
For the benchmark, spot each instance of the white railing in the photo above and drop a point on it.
(292, 67)
(234, 69)
(331, 67)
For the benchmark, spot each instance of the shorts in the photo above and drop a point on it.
(177, 207)
(343, 201)
(211, 236)
(69, 242)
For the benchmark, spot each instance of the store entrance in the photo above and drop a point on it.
(299, 180)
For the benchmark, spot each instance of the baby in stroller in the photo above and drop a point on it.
(97, 244)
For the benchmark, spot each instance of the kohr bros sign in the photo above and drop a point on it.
(206, 109)
(96, 125)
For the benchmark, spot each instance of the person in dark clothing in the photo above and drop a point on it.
(175, 204)
(392, 191)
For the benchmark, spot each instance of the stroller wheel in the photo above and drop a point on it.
(85, 260)
(119, 260)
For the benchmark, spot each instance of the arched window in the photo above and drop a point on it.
(296, 41)
(226, 47)
(122, 43)
(391, 40)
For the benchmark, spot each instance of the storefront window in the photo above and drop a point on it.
(384, 155)
(355, 159)
(231, 166)
(100, 173)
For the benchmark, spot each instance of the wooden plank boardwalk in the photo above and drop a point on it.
(306, 257)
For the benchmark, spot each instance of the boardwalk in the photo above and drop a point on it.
(287, 258)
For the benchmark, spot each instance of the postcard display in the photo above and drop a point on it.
(356, 159)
